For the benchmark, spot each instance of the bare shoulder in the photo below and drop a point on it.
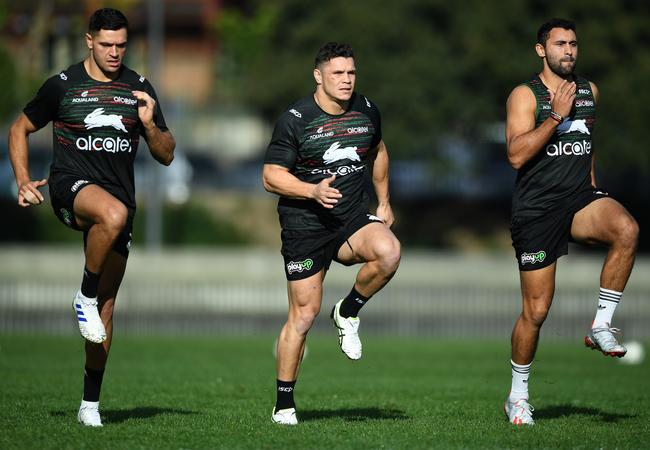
(521, 103)
(521, 97)
(520, 112)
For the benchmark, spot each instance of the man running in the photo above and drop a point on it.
(550, 122)
(99, 109)
(321, 148)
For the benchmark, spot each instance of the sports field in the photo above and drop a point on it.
(216, 392)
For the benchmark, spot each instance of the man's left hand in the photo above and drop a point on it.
(146, 107)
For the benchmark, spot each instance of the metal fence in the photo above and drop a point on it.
(244, 292)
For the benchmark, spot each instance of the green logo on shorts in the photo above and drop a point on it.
(532, 258)
(67, 217)
(299, 266)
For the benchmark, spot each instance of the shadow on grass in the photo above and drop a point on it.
(557, 411)
(352, 414)
(122, 415)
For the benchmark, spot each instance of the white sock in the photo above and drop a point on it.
(519, 387)
(89, 405)
(607, 303)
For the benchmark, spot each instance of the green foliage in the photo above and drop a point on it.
(192, 224)
(217, 392)
(436, 66)
(3, 13)
(8, 76)
(247, 37)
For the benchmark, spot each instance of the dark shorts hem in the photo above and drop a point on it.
(63, 192)
(307, 253)
(540, 240)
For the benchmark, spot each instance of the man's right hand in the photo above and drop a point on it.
(562, 99)
(28, 193)
(326, 195)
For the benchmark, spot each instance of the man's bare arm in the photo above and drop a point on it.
(28, 193)
(523, 140)
(278, 180)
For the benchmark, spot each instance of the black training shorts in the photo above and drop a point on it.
(63, 191)
(306, 253)
(540, 240)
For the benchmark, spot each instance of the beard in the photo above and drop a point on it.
(103, 65)
(558, 69)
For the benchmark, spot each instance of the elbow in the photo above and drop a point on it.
(515, 161)
(14, 133)
(165, 160)
(518, 152)
(267, 174)
(266, 184)
(169, 157)
(380, 179)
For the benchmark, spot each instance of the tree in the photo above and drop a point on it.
(436, 67)
(8, 76)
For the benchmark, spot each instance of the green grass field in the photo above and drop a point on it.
(216, 392)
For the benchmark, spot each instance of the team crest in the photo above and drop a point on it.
(97, 119)
(337, 153)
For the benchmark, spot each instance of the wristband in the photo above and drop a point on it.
(555, 116)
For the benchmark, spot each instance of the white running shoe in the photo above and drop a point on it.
(519, 412)
(285, 416)
(603, 339)
(90, 324)
(89, 414)
(348, 333)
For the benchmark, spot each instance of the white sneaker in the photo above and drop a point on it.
(519, 412)
(348, 332)
(89, 414)
(90, 324)
(285, 416)
(603, 339)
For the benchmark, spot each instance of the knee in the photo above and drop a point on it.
(389, 254)
(536, 313)
(303, 318)
(628, 232)
(114, 217)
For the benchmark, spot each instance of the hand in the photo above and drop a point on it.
(146, 108)
(28, 193)
(326, 195)
(562, 99)
(385, 213)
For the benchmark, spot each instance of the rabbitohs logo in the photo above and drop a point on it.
(299, 266)
(532, 258)
(97, 119)
(337, 153)
(570, 126)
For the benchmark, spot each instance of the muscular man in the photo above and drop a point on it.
(550, 122)
(321, 149)
(99, 109)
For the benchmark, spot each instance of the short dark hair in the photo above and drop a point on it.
(545, 29)
(332, 50)
(107, 19)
